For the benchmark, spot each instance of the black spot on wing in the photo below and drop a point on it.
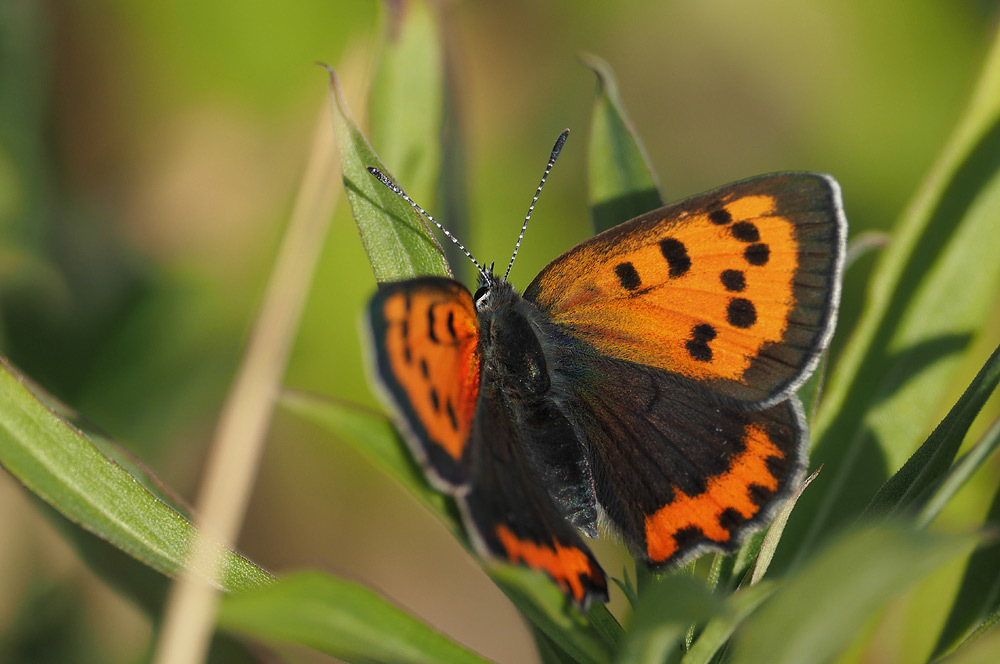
(628, 277)
(677, 256)
(745, 231)
(757, 254)
(720, 217)
(432, 333)
(733, 280)
(697, 346)
(741, 312)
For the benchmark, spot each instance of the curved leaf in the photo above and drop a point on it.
(621, 182)
(821, 608)
(396, 238)
(339, 618)
(60, 465)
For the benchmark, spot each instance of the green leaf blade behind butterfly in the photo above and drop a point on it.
(63, 468)
(339, 618)
(544, 605)
(911, 485)
(396, 238)
(978, 595)
(932, 289)
(820, 609)
(406, 101)
(621, 181)
(663, 614)
(376, 439)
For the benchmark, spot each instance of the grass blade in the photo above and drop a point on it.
(62, 467)
(406, 101)
(819, 610)
(621, 182)
(663, 615)
(339, 618)
(882, 399)
(376, 439)
(932, 459)
(545, 606)
(396, 238)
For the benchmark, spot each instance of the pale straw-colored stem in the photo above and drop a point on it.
(239, 437)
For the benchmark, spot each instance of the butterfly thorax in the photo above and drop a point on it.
(509, 340)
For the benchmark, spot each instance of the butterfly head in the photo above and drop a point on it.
(487, 280)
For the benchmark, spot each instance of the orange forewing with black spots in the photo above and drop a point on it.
(426, 337)
(735, 287)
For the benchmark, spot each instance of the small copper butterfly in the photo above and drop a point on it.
(647, 374)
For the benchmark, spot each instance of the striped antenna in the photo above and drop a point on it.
(381, 177)
(556, 149)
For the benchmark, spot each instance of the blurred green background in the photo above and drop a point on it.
(150, 153)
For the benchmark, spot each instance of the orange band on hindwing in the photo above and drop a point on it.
(728, 491)
(568, 566)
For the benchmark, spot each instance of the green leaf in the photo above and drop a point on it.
(545, 606)
(909, 487)
(339, 618)
(376, 439)
(773, 535)
(62, 467)
(666, 609)
(933, 287)
(719, 629)
(979, 592)
(820, 609)
(959, 474)
(621, 182)
(606, 625)
(978, 651)
(406, 100)
(398, 242)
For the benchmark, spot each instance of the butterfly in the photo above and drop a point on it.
(645, 377)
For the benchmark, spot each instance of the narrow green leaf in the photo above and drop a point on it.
(932, 289)
(979, 592)
(774, 531)
(606, 625)
(959, 474)
(819, 610)
(339, 618)
(932, 459)
(62, 467)
(978, 651)
(621, 182)
(664, 613)
(719, 629)
(545, 606)
(376, 439)
(406, 99)
(398, 242)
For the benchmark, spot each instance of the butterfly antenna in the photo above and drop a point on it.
(556, 149)
(381, 177)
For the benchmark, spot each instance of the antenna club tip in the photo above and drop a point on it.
(557, 148)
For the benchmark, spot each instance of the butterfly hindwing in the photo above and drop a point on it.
(736, 288)
(678, 469)
(425, 336)
(516, 466)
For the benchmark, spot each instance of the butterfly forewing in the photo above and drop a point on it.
(425, 335)
(736, 288)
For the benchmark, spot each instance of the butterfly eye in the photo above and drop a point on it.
(480, 295)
